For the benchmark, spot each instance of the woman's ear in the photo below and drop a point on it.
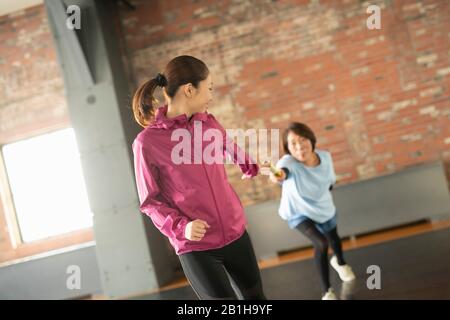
(188, 90)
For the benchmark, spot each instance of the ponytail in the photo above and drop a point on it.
(144, 103)
(179, 71)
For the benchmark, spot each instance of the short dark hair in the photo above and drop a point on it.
(299, 129)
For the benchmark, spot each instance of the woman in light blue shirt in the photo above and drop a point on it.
(306, 175)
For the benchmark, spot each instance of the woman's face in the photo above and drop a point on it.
(202, 96)
(299, 147)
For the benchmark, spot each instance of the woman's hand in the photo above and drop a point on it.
(277, 178)
(276, 175)
(195, 230)
(246, 176)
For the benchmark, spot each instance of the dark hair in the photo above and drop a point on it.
(179, 71)
(299, 129)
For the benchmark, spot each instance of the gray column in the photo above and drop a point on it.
(133, 256)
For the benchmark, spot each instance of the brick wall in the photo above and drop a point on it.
(379, 100)
(31, 85)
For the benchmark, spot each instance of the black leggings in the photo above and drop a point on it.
(320, 242)
(211, 273)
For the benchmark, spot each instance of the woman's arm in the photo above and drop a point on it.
(248, 166)
(167, 219)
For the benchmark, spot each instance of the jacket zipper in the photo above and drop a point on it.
(215, 202)
(212, 191)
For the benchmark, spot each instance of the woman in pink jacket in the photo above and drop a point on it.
(189, 198)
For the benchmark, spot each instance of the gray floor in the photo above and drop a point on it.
(416, 267)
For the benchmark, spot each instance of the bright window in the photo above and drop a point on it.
(47, 185)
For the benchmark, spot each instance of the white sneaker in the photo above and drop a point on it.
(347, 290)
(345, 271)
(329, 295)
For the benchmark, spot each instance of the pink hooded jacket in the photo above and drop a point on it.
(172, 194)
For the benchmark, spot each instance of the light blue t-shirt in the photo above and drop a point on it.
(306, 190)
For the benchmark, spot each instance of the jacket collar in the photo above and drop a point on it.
(162, 121)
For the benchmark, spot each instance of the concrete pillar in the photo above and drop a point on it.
(133, 256)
